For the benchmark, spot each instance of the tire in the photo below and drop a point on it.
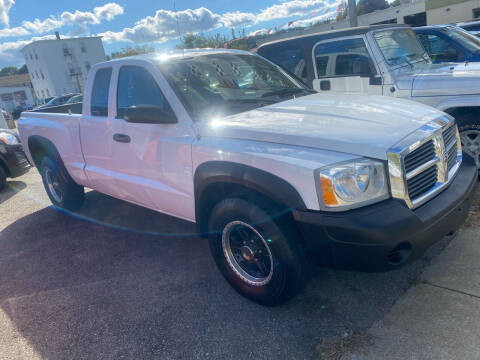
(3, 178)
(63, 192)
(273, 264)
(469, 129)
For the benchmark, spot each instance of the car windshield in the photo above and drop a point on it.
(400, 46)
(225, 84)
(472, 43)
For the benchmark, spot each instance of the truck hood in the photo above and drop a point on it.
(440, 79)
(355, 124)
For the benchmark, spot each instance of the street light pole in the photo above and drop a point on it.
(352, 13)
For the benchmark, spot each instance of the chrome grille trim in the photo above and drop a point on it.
(424, 181)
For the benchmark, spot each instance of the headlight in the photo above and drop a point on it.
(8, 138)
(352, 184)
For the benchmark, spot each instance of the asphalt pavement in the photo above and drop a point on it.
(119, 281)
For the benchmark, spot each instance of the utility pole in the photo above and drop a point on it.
(352, 13)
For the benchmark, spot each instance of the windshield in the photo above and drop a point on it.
(400, 46)
(225, 84)
(472, 43)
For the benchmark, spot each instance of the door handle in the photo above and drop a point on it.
(121, 138)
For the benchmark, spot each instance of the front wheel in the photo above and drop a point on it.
(261, 259)
(63, 192)
(469, 130)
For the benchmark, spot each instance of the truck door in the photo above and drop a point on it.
(96, 133)
(345, 65)
(152, 160)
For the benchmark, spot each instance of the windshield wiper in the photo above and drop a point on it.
(288, 91)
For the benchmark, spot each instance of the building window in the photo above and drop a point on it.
(33, 77)
(43, 93)
(41, 73)
(36, 74)
(48, 93)
(36, 56)
(83, 48)
(87, 66)
(31, 57)
(476, 13)
(66, 51)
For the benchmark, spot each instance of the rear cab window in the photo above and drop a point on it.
(347, 57)
(100, 89)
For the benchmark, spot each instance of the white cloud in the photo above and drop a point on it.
(5, 6)
(233, 19)
(166, 25)
(78, 18)
(290, 8)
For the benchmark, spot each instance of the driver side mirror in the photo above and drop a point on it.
(149, 114)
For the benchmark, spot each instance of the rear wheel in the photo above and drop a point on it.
(61, 189)
(261, 259)
(3, 178)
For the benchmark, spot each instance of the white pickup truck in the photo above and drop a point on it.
(272, 174)
(384, 60)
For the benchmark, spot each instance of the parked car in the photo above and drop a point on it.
(57, 101)
(267, 170)
(472, 26)
(448, 43)
(13, 162)
(75, 99)
(384, 60)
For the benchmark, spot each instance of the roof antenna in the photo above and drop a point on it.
(178, 25)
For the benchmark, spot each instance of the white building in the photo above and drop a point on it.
(60, 66)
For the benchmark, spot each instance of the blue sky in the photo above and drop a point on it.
(152, 22)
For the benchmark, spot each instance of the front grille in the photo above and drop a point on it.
(449, 139)
(421, 183)
(419, 156)
(449, 135)
(425, 162)
(451, 157)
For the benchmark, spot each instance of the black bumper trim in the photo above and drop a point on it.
(362, 239)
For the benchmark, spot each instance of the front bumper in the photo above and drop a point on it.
(387, 235)
(15, 160)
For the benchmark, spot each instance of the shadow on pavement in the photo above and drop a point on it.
(77, 288)
(11, 189)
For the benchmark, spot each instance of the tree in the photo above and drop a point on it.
(130, 51)
(23, 69)
(198, 41)
(12, 70)
(8, 70)
(368, 6)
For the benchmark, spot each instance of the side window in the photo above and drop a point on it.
(289, 58)
(351, 58)
(137, 87)
(352, 64)
(439, 48)
(101, 85)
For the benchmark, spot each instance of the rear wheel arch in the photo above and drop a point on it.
(40, 147)
(217, 180)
